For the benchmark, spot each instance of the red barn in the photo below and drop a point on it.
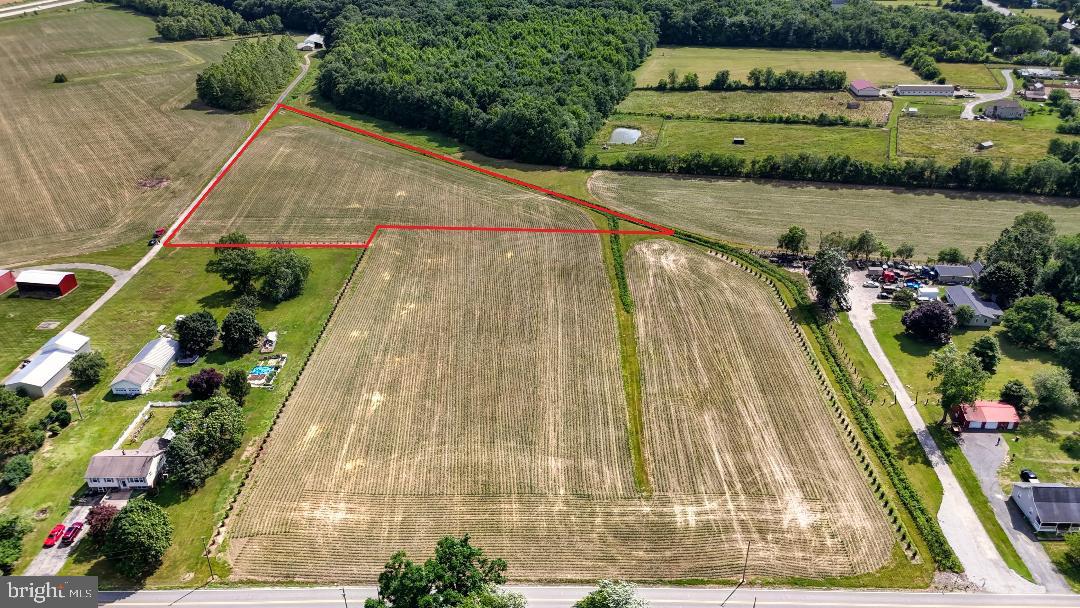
(45, 283)
(989, 415)
(7, 280)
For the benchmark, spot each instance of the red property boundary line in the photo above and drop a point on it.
(652, 228)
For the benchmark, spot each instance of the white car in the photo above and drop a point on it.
(871, 284)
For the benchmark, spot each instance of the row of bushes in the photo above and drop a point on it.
(760, 79)
(620, 266)
(1048, 176)
(821, 120)
(924, 520)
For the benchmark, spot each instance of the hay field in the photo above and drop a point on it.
(737, 417)
(707, 61)
(73, 154)
(471, 383)
(939, 133)
(309, 182)
(755, 213)
(757, 103)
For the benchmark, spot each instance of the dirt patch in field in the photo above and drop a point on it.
(153, 183)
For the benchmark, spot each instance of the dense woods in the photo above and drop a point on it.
(188, 19)
(249, 75)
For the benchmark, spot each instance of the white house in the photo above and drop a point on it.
(139, 377)
(49, 368)
(1053, 509)
(934, 90)
(128, 469)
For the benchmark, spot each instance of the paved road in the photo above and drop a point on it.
(969, 108)
(986, 452)
(564, 597)
(962, 528)
(30, 7)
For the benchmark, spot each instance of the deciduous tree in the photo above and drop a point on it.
(138, 537)
(240, 331)
(284, 275)
(828, 275)
(1017, 394)
(1032, 321)
(196, 332)
(986, 350)
(205, 383)
(794, 240)
(100, 519)
(932, 322)
(236, 385)
(961, 378)
(1053, 392)
(87, 368)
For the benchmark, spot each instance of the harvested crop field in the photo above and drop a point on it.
(74, 154)
(737, 413)
(754, 103)
(312, 183)
(756, 213)
(472, 384)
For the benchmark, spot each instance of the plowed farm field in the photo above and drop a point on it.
(312, 183)
(470, 383)
(115, 151)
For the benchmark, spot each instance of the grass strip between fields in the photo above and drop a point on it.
(924, 521)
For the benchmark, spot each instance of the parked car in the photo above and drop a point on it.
(1028, 475)
(884, 295)
(873, 284)
(54, 535)
(71, 533)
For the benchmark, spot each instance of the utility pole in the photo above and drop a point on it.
(344, 598)
(210, 565)
(75, 396)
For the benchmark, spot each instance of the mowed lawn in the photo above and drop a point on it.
(686, 136)
(707, 61)
(173, 283)
(973, 75)
(756, 212)
(939, 132)
(755, 103)
(19, 317)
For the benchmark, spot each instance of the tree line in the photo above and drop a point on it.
(250, 74)
(1048, 176)
(763, 79)
(189, 19)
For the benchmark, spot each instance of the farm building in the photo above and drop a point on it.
(313, 42)
(955, 274)
(1040, 73)
(45, 283)
(7, 280)
(1036, 92)
(927, 294)
(128, 469)
(153, 360)
(986, 415)
(936, 90)
(49, 367)
(863, 88)
(986, 313)
(1005, 109)
(1053, 509)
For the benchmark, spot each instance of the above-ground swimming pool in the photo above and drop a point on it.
(623, 135)
(261, 369)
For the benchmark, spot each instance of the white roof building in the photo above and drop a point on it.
(41, 277)
(49, 368)
(159, 354)
(139, 377)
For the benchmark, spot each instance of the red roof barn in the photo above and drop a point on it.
(991, 415)
(7, 280)
(45, 283)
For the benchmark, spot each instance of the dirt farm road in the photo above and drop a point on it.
(969, 108)
(564, 597)
(965, 533)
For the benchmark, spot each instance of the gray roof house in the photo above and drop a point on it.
(955, 274)
(1053, 509)
(1005, 109)
(128, 469)
(986, 313)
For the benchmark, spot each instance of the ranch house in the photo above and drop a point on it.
(128, 469)
(1005, 109)
(986, 415)
(956, 274)
(986, 313)
(863, 88)
(139, 377)
(1052, 509)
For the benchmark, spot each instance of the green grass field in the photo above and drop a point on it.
(19, 317)
(174, 283)
(756, 212)
(938, 132)
(973, 75)
(757, 103)
(685, 136)
(707, 61)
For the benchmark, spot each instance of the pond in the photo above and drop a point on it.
(623, 135)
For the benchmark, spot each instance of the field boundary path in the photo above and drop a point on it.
(969, 108)
(32, 7)
(566, 596)
(986, 452)
(982, 564)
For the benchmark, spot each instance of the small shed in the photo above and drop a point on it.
(46, 284)
(985, 145)
(313, 42)
(7, 280)
(738, 141)
(269, 343)
(986, 415)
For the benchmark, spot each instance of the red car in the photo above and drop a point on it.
(57, 532)
(72, 531)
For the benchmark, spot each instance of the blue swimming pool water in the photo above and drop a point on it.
(262, 369)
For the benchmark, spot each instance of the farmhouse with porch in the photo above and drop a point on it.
(1053, 509)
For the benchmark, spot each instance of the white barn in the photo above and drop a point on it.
(139, 377)
(49, 368)
(935, 90)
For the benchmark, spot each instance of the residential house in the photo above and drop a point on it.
(139, 377)
(954, 274)
(122, 469)
(1004, 109)
(1053, 509)
(986, 415)
(986, 313)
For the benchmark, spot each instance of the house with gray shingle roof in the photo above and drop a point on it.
(986, 313)
(1053, 509)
